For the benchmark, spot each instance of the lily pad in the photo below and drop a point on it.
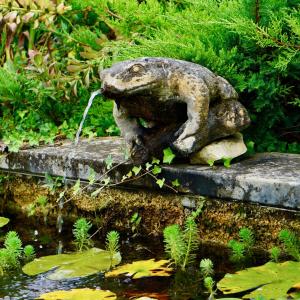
(79, 294)
(272, 280)
(3, 221)
(142, 268)
(72, 265)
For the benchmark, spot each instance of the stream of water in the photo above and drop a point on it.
(93, 95)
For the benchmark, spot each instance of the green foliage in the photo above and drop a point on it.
(29, 253)
(206, 267)
(209, 285)
(112, 243)
(47, 74)
(168, 156)
(237, 254)
(135, 221)
(192, 241)
(291, 243)
(180, 245)
(241, 251)
(275, 254)
(175, 246)
(81, 235)
(271, 281)
(3, 221)
(11, 254)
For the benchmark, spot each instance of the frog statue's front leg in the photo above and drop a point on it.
(132, 132)
(193, 134)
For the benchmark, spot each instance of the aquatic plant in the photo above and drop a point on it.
(275, 253)
(271, 281)
(72, 265)
(81, 235)
(142, 268)
(291, 243)
(11, 254)
(192, 241)
(112, 243)
(209, 285)
(247, 239)
(181, 245)
(237, 254)
(28, 253)
(206, 267)
(241, 251)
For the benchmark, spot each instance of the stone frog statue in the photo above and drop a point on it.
(163, 102)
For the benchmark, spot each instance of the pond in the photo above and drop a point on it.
(55, 238)
(47, 241)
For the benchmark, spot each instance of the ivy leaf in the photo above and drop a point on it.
(168, 156)
(109, 162)
(129, 174)
(160, 182)
(156, 170)
(76, 187)
(3, 221)
(226, 162)
(92, 176)
(148, 166)
(155, 161)
(106, 180)
(211, 162)
(136, 170)
(96, 192)
(175, 183)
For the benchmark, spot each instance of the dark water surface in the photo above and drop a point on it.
(47, 241)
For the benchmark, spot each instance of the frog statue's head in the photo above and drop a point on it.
(131, 77)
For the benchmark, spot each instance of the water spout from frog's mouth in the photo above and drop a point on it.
(93, 95)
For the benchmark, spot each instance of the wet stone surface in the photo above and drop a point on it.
(270, 179)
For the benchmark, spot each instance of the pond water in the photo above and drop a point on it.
(17, 285)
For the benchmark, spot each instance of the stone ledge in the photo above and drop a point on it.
(268, 178)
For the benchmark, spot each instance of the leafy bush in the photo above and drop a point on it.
(49, 62)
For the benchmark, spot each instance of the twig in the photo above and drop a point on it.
(113, 14)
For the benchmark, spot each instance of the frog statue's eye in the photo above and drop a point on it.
(137, 69)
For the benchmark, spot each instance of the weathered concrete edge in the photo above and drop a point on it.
(218, 182)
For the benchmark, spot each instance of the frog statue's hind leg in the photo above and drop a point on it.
(226, 118)
(193, 134)
(208, 122)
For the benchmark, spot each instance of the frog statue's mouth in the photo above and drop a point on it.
(111, 91)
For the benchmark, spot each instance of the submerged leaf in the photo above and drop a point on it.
(142, 268)
(271, 280)
(3, 221)
(73, 265)
(79, 294)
